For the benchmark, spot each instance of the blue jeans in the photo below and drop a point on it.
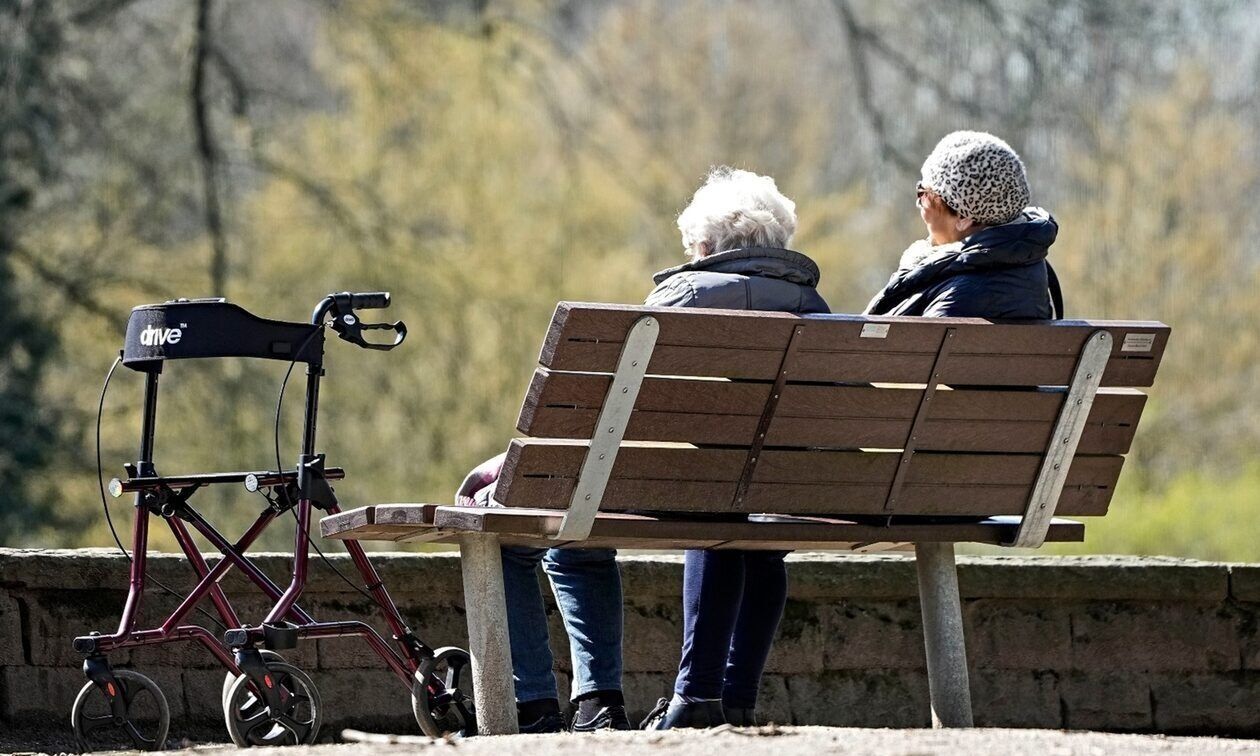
(587, 585)
(732, 604)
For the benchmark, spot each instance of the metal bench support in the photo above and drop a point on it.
(1063, 441)
(948, 682)
(588, 492)
(493, 690)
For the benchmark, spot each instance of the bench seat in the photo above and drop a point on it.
(432, 523)
(858, 433)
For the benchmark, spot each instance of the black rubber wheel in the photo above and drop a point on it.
(229, 678)
(143, 724)
(251, 723)
(450, 711)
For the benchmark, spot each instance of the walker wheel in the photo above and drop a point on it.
(449, 709)
(250, 722)
(229, 678)
(141, 722)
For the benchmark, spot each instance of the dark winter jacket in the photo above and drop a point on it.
(754, 278)
(998, 272)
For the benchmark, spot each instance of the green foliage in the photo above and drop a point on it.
(1198, 514)
(485, 161)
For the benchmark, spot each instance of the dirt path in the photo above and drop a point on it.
(768, 740)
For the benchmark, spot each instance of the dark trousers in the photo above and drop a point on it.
(732, 604)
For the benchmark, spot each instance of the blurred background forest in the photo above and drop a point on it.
(484, 159)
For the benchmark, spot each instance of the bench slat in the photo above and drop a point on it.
(541, 473)
(766, 533)
(697, 342)
(566, 405)
(381, 522)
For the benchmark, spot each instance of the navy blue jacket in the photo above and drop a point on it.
(998, 272)
(754, 278)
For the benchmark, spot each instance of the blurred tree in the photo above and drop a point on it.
(30, 40)
(484, 160)
(1155, 230)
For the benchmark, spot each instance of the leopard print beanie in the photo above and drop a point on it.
(978, 175)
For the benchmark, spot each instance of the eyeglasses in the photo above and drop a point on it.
(920, 190)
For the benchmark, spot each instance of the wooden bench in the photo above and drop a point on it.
(855, 434)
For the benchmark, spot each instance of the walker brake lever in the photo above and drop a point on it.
(350, 328)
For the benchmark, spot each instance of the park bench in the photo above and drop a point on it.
(842, 432)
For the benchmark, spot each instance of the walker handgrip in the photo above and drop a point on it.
(369, 300)
(398, 327)
(351, 329)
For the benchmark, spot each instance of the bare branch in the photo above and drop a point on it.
(207, 151)
(75, 291)
(99, 11)
(857, 37)
(321, 195)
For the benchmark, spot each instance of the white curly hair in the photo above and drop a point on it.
(733, 209)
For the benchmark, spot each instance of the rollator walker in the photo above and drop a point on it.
(266, 701)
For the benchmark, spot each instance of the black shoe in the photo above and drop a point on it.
(668, 716)
(607, 718)
(549, 722)
(739, 717)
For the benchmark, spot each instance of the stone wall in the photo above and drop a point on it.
(1095, 643)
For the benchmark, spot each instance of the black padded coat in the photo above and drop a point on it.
(753, 278)
(999, 272)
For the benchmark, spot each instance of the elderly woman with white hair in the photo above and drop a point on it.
(735, 232)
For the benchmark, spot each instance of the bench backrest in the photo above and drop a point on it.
(827, 414)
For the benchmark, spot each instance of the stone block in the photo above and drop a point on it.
(434, 576)
(67, 569)
(202, 690)
(861, 698)
(353, 652)
(643, 689)
(865, 634)
(56, 617)
(653, 635)
(411, 577)
(799, 642)
(365, 699)
(559, 638)
(1244, 582)
(815, 576)
(774, 703)
(12, 653)
(171, 681)
(1106, 700)
(38, 694)
(1247, 617)
(1093, 578)
(564, 688)
(646, 578)
(1222, 703)
(1019, 634)
(1015, 698)
(1153, 636)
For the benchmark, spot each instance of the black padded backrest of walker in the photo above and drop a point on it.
(214, 328)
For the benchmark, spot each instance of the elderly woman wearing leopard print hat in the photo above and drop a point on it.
(985, 252)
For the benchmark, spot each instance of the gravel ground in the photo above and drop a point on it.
(748, 742)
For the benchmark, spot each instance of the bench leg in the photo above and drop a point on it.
(493, 691)
(943, 635)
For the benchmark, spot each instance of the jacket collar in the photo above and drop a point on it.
(1024, 241)
(768, 262)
